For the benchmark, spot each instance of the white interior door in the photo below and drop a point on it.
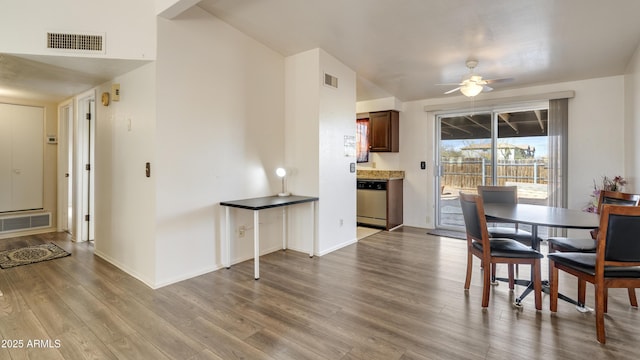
(65, 168)
(84, 218)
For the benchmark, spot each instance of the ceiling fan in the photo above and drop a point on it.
(473, 84)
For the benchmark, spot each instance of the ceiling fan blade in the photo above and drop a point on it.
(496, 81)
(452, 90)
(486, 88)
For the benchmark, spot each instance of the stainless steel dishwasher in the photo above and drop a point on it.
(372, 203)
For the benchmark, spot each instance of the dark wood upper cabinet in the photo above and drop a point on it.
(383, 131)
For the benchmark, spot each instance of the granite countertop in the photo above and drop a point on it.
(380, 174)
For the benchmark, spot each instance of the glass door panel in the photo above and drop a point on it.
(522, 156)
(465, 161)
(493, 148)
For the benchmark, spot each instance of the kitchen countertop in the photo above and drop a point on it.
(380, 174)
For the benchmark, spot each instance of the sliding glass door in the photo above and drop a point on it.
(497, 147)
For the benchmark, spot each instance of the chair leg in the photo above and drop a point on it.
(632, 297)
(493, 274)
(486, 286)
(600, 310)
(467, 281)
(582, 290)
(537, 284)
(553, 287)
(511, 277)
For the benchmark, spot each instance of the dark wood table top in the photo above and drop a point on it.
(267, 202)
(542, 215)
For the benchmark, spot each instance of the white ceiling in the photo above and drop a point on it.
(55, 78)
(397, 47)
(405, 47)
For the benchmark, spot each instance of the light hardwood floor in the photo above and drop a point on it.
(393, 295)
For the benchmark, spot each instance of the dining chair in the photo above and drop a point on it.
(504, 195)
(615, 264)
(492, 251)
(588, 245)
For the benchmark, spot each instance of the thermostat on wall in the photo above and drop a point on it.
(52, 139)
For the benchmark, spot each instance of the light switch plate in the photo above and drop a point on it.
(115, 92)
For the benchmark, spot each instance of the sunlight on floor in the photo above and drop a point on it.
(363, 232)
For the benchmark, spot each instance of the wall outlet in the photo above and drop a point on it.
(241, 231)
(341, 222)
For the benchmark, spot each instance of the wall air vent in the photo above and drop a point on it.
(330, 80)
(25, 222)
(85, 43)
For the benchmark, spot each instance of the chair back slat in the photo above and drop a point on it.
(622, 235)
(472, 221)
(498, 194)
(617, 198)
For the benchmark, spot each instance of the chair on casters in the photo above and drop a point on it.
(564, 244)
(615, 264)
(504, 195)
(494, 250)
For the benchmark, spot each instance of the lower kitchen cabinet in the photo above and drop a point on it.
(394, 203)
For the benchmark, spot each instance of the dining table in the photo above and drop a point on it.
(541, 215)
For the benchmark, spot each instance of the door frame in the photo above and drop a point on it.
(494, 111)
(83, 179)
(65, 163)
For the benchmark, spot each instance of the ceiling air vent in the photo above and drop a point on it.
(330, 80)
(86, 43)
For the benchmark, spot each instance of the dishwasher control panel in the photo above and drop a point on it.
(371, 185)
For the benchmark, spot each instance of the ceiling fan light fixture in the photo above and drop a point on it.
(470, 89)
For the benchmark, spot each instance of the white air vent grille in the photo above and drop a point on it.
(25, 222)
(75, 42)
(330, 80)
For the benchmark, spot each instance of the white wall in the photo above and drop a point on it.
(129, 27)
(220, 121)
(337, 119)
(318, 118)
(124, 196)
(632, 123)
(596, 142)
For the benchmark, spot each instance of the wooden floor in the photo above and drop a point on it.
(395, 295)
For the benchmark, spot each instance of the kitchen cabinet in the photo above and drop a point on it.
(384, 131)
(394, 203)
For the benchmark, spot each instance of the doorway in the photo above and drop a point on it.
(494, 147)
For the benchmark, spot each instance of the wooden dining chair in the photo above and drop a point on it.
(615, 264)
(588, 245)
(504, 195)
(494, 250)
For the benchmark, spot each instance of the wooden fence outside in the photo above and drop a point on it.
(468, 173)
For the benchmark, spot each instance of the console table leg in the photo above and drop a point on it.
(284, 228)
(226, 252)
(256, 245)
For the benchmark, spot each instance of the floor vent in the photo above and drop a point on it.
(87, 43)
(25, 222)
